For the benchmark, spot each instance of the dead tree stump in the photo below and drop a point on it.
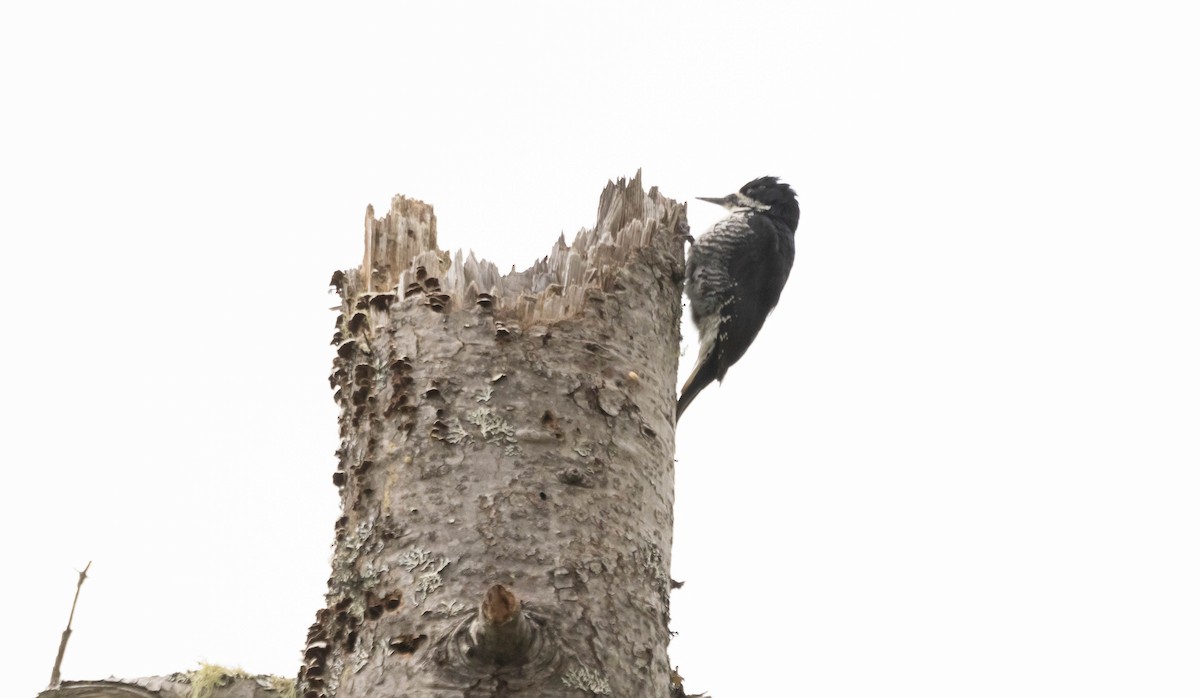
(506, 463)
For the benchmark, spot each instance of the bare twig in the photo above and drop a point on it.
(56, 675)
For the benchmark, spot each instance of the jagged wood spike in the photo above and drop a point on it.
(405, 241)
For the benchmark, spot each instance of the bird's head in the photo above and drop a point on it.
(766, 194)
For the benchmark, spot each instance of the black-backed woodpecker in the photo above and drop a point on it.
(735, 273)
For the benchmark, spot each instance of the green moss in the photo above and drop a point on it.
(286, 688)
(210, 677)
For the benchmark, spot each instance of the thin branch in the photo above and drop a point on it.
(56, 675)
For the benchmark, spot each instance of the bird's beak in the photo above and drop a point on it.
(723, 201)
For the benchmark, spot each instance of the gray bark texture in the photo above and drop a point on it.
(506, 463)
(236, 684)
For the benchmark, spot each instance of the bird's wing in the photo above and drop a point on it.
(761, 264)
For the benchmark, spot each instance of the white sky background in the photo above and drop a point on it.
(961, 460)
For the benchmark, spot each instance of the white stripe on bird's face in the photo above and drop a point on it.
(745, 203)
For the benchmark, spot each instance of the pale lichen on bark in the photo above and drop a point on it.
(511, 432)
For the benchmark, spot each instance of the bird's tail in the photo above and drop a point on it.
(704, 373)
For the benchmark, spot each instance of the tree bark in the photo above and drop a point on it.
(506, 463)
